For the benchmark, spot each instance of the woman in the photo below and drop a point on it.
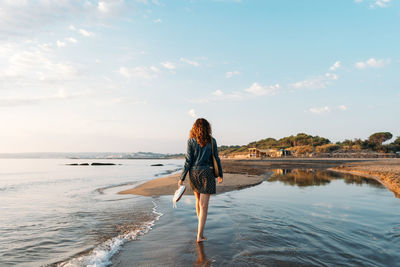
(199, 164)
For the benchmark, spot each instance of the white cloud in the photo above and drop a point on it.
(140, 72)
(372, 63)
(157, 21)
(312, 83)
(168, 65)
(34, 65)
(380, 3)
(320, 110)
(61, 44)
(192, 113)
(86, 33)
(71, 40)
(335, 66)
(33, 100)
(218, 93)
(190, 62)
(72, 28)
(125, 72)
(332, 76)
(258, 89)
(110, 6)
(230, 74)
(326, 109)
(47, 47)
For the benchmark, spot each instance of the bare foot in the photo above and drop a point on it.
(201, 239)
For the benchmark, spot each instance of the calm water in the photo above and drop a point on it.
(51, 212)
(296, 218)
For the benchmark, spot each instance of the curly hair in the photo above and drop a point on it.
(201, 130)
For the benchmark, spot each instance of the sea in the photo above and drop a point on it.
(57, 214)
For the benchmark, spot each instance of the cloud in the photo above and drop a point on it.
(110, 6)
(32, 65)
(332, 76)
(320, 110)
(380, 3)
(230, 74)
(86, 33)
(192, 113)
(33, 100)
(157, 21)
(71, 40)
(258, 89)
(327, 109)
(190, 62)
(218, 93)
(168, 65)
(335, 66)
(140, 72)
(372, 63)
(318, 82)
(61, 44)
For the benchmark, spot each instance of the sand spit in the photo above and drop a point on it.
(386, 171)
(241, 173)
(168, 185)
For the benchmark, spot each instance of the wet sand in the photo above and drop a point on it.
(386, 171)
(168, 185)
(239, 174)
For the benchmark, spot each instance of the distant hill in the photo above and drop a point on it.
(304, 144)
(90, 155)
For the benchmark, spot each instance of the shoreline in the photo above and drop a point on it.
(243, 173)
(167, 185)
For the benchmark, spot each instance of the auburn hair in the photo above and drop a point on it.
(201, 130)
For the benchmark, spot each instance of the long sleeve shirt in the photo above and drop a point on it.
(198, 157)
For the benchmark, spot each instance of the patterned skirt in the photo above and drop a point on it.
(202, 181)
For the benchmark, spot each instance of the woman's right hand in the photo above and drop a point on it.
(180, 183)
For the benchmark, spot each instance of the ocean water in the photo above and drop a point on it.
(60, 215)
(294, 218)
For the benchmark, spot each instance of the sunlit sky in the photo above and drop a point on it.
(126, 76)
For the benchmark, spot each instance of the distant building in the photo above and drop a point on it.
(271, 153)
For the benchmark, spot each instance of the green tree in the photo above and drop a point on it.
(379, 138)
(397, 141)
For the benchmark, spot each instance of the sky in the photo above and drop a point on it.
(127, 76)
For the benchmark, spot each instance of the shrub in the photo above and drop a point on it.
(327, 148)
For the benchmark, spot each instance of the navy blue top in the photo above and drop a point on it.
(198, 157)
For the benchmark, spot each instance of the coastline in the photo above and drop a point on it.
(168, 185)
(385, 171)
(242, 173)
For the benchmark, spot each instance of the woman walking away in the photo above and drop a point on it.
(201, 148)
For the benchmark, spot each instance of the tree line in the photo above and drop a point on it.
(308, 143)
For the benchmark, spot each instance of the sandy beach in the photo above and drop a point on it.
(386, 171)
(240, 174)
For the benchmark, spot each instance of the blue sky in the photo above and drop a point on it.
(133, 75)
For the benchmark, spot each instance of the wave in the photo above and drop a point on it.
(101, 255)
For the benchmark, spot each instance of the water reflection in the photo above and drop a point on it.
(312, 177)
(201, 256)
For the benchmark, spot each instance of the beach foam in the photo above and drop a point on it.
(101, 255)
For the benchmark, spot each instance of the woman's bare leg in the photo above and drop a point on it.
(204, 199)
(197, 195)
